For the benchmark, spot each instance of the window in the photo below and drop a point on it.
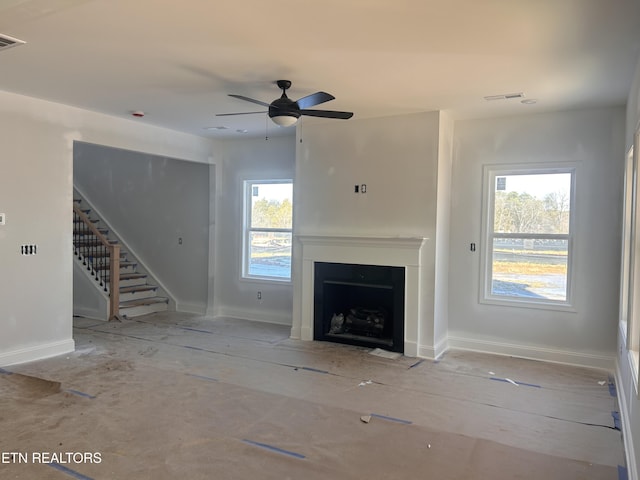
(267, 229)
(528, 236)
(630, 267)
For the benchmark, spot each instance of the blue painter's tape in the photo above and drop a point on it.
(274, 449)
(392, 419)
(5, 372)
(80, 394)
(612, 389)
(622, 473)
(616, 420)
(518, 383)
(196, 330)
(202, 377)
(193, 348)
(314, 370)
(68, 471)
(417, 363)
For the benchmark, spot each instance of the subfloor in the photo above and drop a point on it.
(176, 396)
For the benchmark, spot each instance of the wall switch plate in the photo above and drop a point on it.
(2, 218)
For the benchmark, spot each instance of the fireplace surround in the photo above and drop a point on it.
(403, 252)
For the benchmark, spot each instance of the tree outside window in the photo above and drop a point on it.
(268, 229)
(528, 235)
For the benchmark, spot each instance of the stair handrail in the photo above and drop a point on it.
(114, 263)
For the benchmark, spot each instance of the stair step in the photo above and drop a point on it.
(131, 276)
(137, 288)
(91, 240)
(143, 301)
(92, 220)
(103, 255)
(145, 306)
(76, 231)
(123, 265)
(133, 279)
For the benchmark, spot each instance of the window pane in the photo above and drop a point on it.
(530, 269)
(270, 254)
(532, 203)
(271, 205)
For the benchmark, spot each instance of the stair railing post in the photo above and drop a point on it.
(114, 282)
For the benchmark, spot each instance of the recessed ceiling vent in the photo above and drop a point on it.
(506, 96)
(7, 42)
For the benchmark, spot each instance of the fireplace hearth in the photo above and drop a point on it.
(359, 305)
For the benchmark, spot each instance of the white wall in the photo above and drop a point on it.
(237, 161)
(36, 148)
(628, 398)
(593, 139)
(398, 158)
(443, 233)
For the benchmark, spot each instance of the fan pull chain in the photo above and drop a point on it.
(266, 128)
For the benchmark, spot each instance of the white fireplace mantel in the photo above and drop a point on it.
(365, 250)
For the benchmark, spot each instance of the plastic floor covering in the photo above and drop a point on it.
(177, 396)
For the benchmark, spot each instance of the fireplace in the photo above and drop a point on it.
(403, 252)
(359, 305)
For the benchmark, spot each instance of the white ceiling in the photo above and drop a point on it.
(178, 60)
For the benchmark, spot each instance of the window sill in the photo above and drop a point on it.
(516, 303)
(267, 280)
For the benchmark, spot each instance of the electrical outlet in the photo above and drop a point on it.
(259, 295)
(28, 249)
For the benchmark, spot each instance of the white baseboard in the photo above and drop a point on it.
(566, 357)
(255, 315)
(197, 308)
(629, 450)
(89, 313)
(36, 352)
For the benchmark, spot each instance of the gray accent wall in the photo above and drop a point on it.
(152, 202)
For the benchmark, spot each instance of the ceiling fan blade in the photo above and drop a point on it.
(242, 97)
(314, 99)
(239, 113)
(327, 114)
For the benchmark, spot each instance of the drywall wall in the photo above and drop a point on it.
(594, 140)
(36, 146)
(442, 234)
(626, 384)
(397, 158)
(160, 208)
(88, 301)
(237, 161)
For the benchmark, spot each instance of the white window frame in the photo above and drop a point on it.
(490, 172)
(246, 231)
(630, 264)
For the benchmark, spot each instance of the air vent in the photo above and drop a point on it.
(7, 42)
(506, 96)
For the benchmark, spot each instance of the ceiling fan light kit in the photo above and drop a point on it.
(286, 112)
(284, 120)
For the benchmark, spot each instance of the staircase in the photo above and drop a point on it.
(137, 295)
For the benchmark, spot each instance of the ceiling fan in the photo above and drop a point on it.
(286, 112)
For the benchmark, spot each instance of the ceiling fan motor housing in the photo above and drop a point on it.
(284, 106)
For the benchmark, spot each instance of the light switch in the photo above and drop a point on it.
(2, 218)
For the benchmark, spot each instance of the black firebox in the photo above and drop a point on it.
(359, 304)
